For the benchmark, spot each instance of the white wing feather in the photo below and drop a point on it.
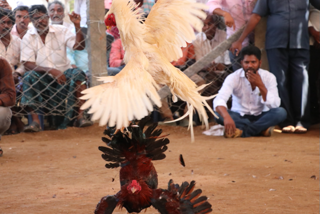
(124, 97)
(169, 25)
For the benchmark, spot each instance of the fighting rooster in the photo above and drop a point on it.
(134, 151)
(150, 45)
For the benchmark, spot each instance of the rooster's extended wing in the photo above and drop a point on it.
(123, 97)
(169, 25)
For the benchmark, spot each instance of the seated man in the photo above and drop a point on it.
(78, 58)
(210, 37)
(7, 96)
(10, 50)
(51, 84)
(255, 99)
(21, 27)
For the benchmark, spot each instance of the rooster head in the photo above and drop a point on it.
(134, 187)
(110, 20)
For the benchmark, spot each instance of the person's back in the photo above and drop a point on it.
(7, 96)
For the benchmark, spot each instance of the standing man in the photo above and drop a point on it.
(7, 96)
(287, 46)
(255, 100)
(235, 13)
(22, 21)
(43, 52)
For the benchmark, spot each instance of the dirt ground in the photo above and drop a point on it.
(63, 172)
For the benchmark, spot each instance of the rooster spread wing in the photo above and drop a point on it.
(169, 25)
(180, 200)
(123, 97)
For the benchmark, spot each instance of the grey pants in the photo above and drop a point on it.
(5, 119)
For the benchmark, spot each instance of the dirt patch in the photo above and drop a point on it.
(63, 172)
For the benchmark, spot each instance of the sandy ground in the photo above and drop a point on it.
(63, 172)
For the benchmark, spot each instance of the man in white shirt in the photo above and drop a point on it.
(21, 27)
(10, 45)
(43, 52)
(207, 40)
(255, 99)
(78, 59)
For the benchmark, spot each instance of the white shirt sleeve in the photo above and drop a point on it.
(225, 92)
(273, 99)
(70, 38)
(28, 52)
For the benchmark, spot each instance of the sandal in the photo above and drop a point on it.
(11, 132)
(300, 130)
(1, 152)
(288, 129)
(32, 127)
(82, 123)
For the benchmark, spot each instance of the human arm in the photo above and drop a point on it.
(80, 41)
(32, 66)
(252, 23)
(227, 17)
(220, 103)
(7, 88)
(267, 88)
(314, 33)
(228, 122)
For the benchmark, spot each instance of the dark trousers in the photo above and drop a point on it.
(253, 125)
(290, 66)
(314, 81)
(235, 61)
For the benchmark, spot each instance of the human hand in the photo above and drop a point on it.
(5, 4)
(16, 77)
(122, 63)
(75, 19)
(229, 20)
(316, 35)
(254, 78)
(229, 126)
(236, 47)
(60, 77)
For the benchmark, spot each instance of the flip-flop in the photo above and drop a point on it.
(82, 123)
(300, 130)
(288, 129)
(33, 127)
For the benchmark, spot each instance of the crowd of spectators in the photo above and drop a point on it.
(49, 60)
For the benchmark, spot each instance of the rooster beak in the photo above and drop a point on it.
(133, 190)
(108, 27)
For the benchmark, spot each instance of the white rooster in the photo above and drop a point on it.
(150, 45)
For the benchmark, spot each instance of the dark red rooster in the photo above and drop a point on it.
(134, 151)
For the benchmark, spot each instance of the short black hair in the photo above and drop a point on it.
(20, 8)
(56, 2)
(6, 12)
(250, 50)
(37, 8)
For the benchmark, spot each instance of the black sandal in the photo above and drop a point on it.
(33, 127)
(82, 123)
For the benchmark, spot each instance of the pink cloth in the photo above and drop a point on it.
(107, 4)
(240, 10)
(116, 53)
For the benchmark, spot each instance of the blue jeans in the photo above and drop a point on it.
(253, 125)
(112, 71)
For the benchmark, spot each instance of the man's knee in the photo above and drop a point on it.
(279, 113)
